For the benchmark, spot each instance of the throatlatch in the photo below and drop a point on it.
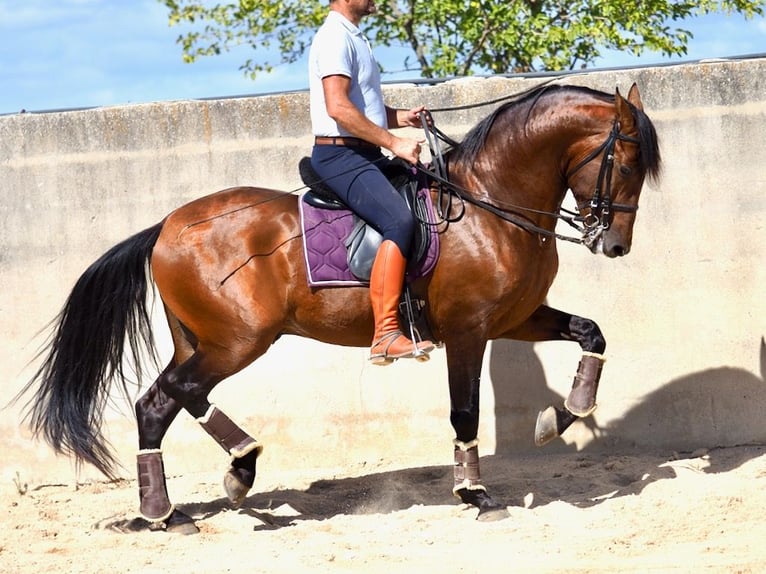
(582, 398)
(233, 439)
(466, 469)
(155, 504)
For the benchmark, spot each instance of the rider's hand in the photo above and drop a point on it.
(411, 117)
(408, 149)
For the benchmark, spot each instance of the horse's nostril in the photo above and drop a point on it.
(618, 251)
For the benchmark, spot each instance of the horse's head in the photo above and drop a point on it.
(607, 180)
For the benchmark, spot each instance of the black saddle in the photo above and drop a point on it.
(363, 241)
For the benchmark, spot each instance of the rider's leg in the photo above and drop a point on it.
(386, 283)
(354, 175)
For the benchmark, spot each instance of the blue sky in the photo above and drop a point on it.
(60, 54)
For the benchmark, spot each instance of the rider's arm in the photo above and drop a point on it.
(351, 119)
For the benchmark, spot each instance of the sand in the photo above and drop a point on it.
(594, 512)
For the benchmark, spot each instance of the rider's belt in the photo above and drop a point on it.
(342, 140)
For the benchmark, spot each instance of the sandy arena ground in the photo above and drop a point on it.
(633, 512)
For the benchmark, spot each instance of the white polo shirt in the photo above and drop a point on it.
(340, 48)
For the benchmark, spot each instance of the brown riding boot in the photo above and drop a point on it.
(386, 281)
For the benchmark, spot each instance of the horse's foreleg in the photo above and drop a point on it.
(464, 366)
(548, 324)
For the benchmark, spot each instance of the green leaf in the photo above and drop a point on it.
(447, 37)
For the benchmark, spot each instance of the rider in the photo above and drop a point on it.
(350, 123)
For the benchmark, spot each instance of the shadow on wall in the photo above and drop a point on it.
(715, 407)
(724, 406)
(521, 392)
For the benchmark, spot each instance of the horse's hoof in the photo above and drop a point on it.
(552, 423)
(235, 489)
(489, 510)
(546, 427)
(493, 514)
(180, 523)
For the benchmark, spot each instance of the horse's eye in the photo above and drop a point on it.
(625, 170)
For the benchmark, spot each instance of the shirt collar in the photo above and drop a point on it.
(338, 17)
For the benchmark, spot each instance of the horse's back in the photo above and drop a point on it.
(241, 205)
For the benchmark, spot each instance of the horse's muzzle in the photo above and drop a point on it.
(613, 246)
(610, 246)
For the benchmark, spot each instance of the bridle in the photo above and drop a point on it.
(601, 205)
(591, 226)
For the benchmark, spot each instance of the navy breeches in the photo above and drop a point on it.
(352, 173)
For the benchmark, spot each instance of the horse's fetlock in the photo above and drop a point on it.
(582, 398)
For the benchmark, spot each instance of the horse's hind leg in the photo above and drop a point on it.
(548, 324)
(243, 448)
(190, 384)
(155, 412)
(157, 409)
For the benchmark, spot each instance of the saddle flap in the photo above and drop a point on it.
(362, 245)
(364, 240)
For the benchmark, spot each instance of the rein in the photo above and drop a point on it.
(591, 226)
(454, 190)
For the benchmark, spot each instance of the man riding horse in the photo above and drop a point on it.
(350, 123)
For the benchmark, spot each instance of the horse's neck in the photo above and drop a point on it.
(526, 154)
(525, 172)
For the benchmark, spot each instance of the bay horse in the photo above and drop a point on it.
(230, 272)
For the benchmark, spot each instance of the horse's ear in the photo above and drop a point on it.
(634, 97)
(624, 113)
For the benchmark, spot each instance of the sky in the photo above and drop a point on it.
(64, 54)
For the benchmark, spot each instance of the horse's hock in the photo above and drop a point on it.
(683, 313)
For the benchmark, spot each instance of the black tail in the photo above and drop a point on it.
(106, 310)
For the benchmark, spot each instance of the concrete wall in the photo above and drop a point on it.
(683, 313)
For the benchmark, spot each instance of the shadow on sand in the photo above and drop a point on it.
(722, 406)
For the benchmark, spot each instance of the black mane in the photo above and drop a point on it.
(473, 142)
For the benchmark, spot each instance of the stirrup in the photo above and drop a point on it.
(421, 354)
(384, 358)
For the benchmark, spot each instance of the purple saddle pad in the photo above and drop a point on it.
(324, 233)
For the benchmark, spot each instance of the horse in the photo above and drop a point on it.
(232, 279)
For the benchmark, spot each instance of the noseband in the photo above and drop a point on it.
(601, 205)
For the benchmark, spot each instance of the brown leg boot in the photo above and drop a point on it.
(386, 281)
(152, 488)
